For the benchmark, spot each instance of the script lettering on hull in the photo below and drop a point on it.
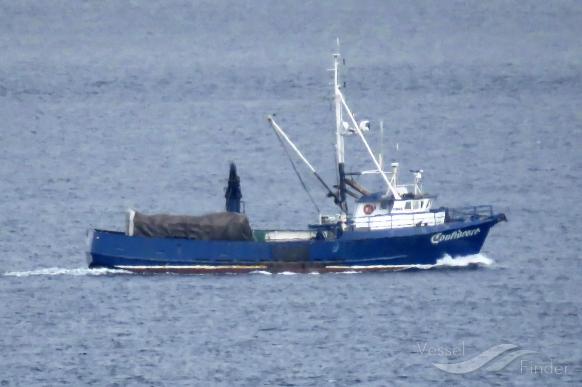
(442, 237)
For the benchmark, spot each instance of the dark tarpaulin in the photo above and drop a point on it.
(222, 226)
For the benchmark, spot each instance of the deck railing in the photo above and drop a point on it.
(387, 221)
(423, 218)
(470, 212)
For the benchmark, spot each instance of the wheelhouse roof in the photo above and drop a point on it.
(381, 196)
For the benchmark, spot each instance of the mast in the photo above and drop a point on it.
(340, 104)
(339, 146)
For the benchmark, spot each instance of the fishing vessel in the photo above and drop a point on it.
(396, 228)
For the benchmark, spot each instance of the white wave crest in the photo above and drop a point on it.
(464, 261)
(475, 259)
(263, 272)
(52, 271)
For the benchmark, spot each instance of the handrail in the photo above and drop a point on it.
(451, 214)
(420, 217)
(470, 212)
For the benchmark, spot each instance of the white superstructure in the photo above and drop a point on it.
(413, 209)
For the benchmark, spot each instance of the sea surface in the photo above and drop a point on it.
(110, 105)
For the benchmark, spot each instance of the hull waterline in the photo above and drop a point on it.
(384, 250)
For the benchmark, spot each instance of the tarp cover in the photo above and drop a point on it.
(221, 226)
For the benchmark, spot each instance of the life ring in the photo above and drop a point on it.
(369, 208)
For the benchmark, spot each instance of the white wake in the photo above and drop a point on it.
(447, 261)
(475, 260)
(480, 260)
(55, 271)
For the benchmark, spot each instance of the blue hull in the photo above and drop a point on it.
(361, 250)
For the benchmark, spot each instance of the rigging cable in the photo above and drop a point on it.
(297, 173)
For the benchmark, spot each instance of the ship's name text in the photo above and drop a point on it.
(440, 237)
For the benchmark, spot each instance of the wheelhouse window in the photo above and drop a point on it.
(386, 204)
(407, 206)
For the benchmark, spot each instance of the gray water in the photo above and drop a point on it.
(111, 105)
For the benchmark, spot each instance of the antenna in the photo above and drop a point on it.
(381, 156)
